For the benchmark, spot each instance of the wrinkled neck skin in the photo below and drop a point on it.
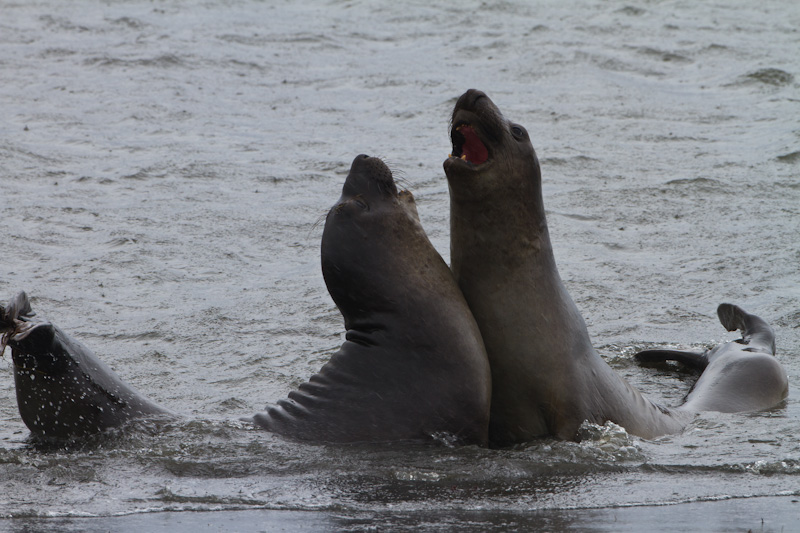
(377, 261)
(546, 376)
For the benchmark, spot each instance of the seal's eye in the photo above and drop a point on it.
(518, 132)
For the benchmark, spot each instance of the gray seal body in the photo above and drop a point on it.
(738, 376)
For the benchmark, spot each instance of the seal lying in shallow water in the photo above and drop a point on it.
(412, 367)
(413, 363)
(63, 389)
(741, 375)
(546, 376)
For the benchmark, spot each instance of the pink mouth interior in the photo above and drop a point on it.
(473, 148)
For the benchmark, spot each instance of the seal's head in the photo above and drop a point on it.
(370, 192)
(491, 155)
(370, 234)
(496, 204)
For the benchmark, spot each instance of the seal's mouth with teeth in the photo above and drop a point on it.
(467, 145)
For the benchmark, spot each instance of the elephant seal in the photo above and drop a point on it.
(413, 365)
(738, 376)
(63, 389)
(547, 378)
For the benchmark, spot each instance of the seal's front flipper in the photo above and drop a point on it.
(755, 331)
(691, 358)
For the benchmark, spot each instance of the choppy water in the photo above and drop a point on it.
(164, 165)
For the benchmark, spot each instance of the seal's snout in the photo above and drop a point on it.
(475, 124)
(469, 99)
(365, 173)
(373, 167)
(15, 320)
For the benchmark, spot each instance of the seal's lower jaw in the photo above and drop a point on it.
(459, 165)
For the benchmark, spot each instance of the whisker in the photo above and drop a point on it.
(404, 183)
(317, 223)
(399, 175)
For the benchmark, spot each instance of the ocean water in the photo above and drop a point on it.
(164, 169)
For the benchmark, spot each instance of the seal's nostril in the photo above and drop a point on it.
(469, 99)
(477, 96)
(473, 95)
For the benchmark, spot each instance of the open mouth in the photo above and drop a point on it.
(467, 145)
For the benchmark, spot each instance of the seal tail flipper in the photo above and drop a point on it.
(14, 317)
(19, 306)
(755, 330)
(691, 358)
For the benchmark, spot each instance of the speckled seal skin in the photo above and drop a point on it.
(63, 389)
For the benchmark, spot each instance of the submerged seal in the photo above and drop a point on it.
(63, 389)
(413, 365)
(546, 376)
(741, 375)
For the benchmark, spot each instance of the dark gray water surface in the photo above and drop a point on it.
(164, 167)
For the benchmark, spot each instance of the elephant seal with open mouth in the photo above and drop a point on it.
(546, 376)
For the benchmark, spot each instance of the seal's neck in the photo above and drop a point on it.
(501, 232)
(536, 339)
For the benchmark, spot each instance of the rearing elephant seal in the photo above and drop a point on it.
(546, 376)
(413, 365)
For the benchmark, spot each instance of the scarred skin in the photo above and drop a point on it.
(547, 378)
(413, 365)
